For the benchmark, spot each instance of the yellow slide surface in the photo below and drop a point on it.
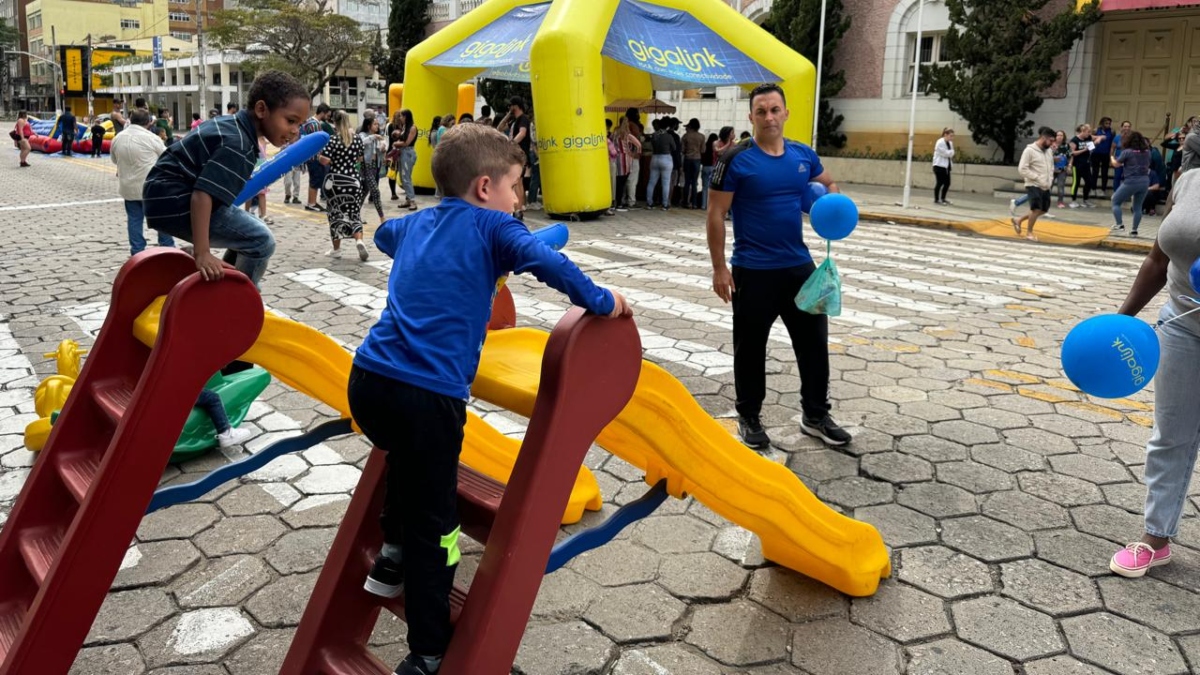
(310, 362)
(666, 433)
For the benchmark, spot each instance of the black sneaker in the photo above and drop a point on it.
(825, 429)
(752, 433)
(414, 665)
(386, 579)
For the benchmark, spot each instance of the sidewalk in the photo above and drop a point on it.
(988, 215)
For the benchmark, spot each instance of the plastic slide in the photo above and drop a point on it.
(310, 362)
(666, 433)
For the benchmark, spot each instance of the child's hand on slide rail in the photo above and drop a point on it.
(621, 306)
(209, 266)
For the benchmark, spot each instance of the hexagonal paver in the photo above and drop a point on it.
(704, 576)
(1051, 589)
(1091, 469)
(637, 613)
(178, 522)
(264, 653)
(937, 499)
(1121, 645)
(280, 603)
(128, 614)
(1075, 551)
(675, 534)
(1191, 648)
(932, 448)
(1024, 511)
(901, 612)
(838, 647)
(1007, 628)
(1007, 458)
(896, 425)
(323, 480)
(223, 582)
(739, 633)
(944, 572)
(951, 657)
(974, 477)
(572, 647)
(196, 637)
(1108, 522)
(967, 433)
(896, 467)
(794, 596)
(1060, 665)
(898, 394)
(1153, 603)
(317, 511)
(252, 500)
(244, 534)
(823, 465)
(930, 412)
(1184, 570)
(1062, 490)
(618, 563)
(899, 526)
(301, 551)
(122, 658)
(1039, 441)
(986, 539)
(855, 491)
(565, 594)
(156, 563)
(671, 658)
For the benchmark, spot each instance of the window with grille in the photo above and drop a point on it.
(130, 24)
(182, 17)
(932, 52)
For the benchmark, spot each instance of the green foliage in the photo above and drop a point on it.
(9, 36)
(303, 38)
(901, 155)
(498, 93)
(797, 24)
(407, 20)
(1002, 55)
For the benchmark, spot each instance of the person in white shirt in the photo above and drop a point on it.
(1037, 168)
(943, 156)
(134, 152)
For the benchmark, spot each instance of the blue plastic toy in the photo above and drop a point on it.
(1196, 275)
(555, 236)
(289, 158)
(1111, 355)
(834, 216)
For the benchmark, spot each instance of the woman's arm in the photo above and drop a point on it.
(1151, 279)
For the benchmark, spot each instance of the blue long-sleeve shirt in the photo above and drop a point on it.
(448, 264)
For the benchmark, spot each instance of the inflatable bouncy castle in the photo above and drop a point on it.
(47, 136)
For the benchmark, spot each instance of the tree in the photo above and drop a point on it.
(407, 20)
(797, 24)
(498, 93)
(1002, 55)
(300, 37)
(8, 34)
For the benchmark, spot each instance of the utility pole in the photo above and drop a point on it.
(57, 71)
(87, 76)
(912, 114)
(203, 79)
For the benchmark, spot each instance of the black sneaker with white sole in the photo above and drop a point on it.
(386, 578)
(825, 429)
(752, 433)
(414, 665)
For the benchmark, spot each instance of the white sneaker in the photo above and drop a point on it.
(1012, 207)
(362, 250)
(334, 253)
(1074, 205)
(1088, 205)
(233, 437)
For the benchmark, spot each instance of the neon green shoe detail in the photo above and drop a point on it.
(450, 543)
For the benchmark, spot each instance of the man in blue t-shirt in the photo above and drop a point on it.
(764, 180)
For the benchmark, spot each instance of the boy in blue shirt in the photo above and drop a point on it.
(412, 375)
(190, 191)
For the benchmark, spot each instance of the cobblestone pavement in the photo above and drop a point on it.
(1000, 490)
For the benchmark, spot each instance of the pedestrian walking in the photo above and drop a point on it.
(943, 158)
(765, 183)
(1037, 168)
(374, 147)
(1134, 161)
(343, 196)
(135, 153)
(316, 169)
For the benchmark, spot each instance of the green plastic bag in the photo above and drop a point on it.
(822, 292)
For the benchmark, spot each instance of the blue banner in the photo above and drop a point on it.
(504, 42)
(674, 45)
(157, 51)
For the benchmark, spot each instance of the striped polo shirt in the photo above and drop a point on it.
(217, 157)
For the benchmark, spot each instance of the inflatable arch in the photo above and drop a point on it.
(466, 104)
(580, 55)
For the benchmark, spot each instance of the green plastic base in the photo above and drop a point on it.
(237, 392)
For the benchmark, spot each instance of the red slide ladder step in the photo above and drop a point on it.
(78, 471)
(458, 597)
(113, 398)
(351, 660)
(38, 547)
(11, 615)
(479, 499)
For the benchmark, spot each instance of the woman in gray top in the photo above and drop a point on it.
(1171, 451)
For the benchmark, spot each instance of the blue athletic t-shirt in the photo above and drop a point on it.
(770, 195)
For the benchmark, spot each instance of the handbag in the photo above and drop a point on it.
(822, 292)
(14, 135)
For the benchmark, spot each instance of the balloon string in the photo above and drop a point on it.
(1190, 311)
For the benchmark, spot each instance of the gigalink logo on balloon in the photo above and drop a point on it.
(1129, 357)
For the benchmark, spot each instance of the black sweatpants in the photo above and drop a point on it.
(1100, 167)
(422, 433)
(942, 176)
(762, 296)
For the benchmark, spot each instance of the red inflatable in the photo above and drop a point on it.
(52, 145)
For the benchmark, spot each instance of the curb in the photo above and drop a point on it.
(942, 224)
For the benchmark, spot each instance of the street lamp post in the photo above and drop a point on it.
(912, 114)
(57, 96)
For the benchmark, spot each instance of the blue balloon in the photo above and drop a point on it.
(815, 192)
(1196, 275)
(834, 216)
(555, 236)
(1111, 355)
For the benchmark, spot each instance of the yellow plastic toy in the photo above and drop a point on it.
(580, 55)
(53, 391)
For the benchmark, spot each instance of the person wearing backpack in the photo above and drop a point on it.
(765, 181)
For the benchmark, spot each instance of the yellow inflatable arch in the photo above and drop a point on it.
(581, 55)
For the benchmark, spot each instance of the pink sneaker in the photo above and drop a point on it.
(1137, 558)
